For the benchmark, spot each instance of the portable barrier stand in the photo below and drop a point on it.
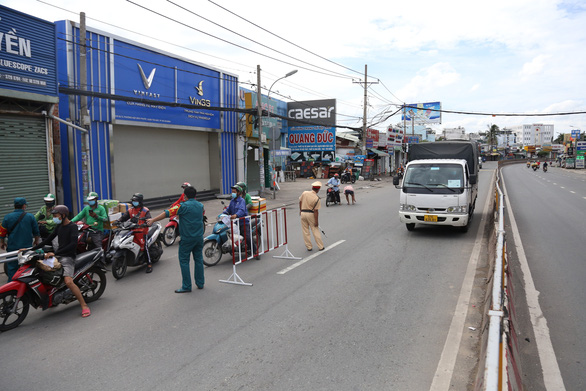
(273, 224)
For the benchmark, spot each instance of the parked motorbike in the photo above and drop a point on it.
(33, 286)
(84, 243)
(347, 178)
(219, 242)
(332, 196)
(125, 248)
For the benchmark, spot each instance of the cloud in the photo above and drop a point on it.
(429, 79)
(534, 67)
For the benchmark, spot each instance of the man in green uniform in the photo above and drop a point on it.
(45, 218)
(20, 228)
(191, 228)
(94, 216)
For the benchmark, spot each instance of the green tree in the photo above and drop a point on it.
(559, 139)
(493, 130)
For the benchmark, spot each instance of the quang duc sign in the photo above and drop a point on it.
(311, 138)
(28, 58)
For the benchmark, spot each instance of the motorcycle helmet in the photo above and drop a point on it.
(237, 188)
(93, 196)
(336, 175)
(185, 184)
(137, 197)
(242, 186)
(49, 200)
(60, 209)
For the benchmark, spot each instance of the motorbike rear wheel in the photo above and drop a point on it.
(92, 285)
(159, 251)
(169, 235)
(10, 318)
(119, 266)
(212, 253)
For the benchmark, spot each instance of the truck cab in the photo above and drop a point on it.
(437, 192)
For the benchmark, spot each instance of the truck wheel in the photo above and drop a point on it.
(410, 226)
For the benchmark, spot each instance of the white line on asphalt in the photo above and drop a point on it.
(573, 192)
(552, 376)
(445, 368)
(331, 246)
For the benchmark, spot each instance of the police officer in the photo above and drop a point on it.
(191, 228)
(20, 228)
(309, 204)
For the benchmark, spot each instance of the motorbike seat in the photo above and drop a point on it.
(83, 259)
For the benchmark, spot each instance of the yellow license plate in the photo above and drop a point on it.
(432, 218)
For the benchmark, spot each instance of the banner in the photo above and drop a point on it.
(312, 131)
(423, 113)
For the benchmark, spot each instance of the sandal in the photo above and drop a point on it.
(149, 268)
(85, 312)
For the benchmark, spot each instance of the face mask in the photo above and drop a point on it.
(56, 220)
(234, 195)
(92, 203)
(49, 204)
(135, 203)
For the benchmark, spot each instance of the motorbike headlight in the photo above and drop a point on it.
(407, 208)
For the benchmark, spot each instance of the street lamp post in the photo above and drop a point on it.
(273, 136)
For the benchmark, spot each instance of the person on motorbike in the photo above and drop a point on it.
(44, 217)
(94, 215)
(66, 234)
(237, 209)
(182, 198)
(139, 213)
(335, 183)
(545, 166)
(245, 195)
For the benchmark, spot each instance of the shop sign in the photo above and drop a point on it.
(142, 73)
(28, 59)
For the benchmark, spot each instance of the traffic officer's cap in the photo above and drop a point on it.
(316, 184)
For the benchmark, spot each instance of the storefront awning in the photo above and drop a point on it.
(378, 153)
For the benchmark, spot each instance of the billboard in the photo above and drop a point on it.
(28, 53)
(312, 130)
(423, 113)
(142, 73)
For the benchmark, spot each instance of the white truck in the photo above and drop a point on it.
(440, 184)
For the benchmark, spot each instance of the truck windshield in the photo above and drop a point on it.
(435, 178)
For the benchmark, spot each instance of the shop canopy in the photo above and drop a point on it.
(378, 153)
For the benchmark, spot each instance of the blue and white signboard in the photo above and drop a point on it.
(155, 76)
(581, 145)
(575, 134)
(28, 60)
(423, 113)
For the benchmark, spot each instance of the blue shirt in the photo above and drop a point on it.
(22, 235)
(335, 182)
(237, 207)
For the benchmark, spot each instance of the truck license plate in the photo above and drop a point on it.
(432, 218)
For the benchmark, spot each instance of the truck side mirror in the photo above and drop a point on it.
(473, 179)
(396, 180)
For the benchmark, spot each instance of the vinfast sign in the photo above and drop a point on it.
(141, 73)
(312, 129)
(28, 59)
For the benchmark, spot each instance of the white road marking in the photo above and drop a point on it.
(318, 253)
(445, 367)
(573, 192)
(552, 376)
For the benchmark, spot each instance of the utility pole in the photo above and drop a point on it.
(363, 143)
(261, 160)
(84, 113)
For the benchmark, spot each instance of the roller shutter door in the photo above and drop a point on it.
(24, 168)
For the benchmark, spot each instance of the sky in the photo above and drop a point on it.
(498, 57)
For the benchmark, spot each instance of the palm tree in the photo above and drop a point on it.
(493, 130)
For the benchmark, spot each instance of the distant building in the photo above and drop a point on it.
(537, 134)
(458, 133)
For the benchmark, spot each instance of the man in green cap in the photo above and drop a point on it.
(20, 228)
(44, 217)
(94, 216)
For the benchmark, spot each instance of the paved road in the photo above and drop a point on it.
(372, 313)
(549, 209)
